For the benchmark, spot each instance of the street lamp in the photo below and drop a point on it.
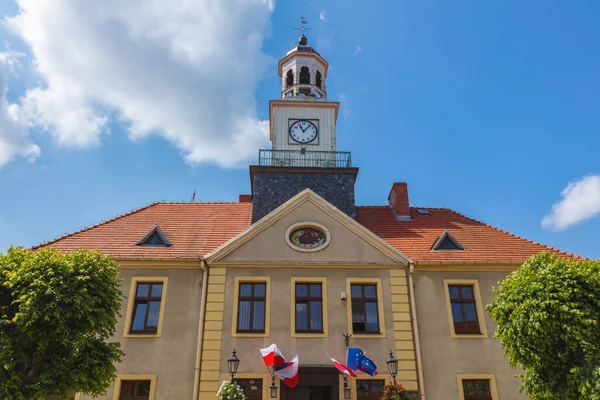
(392, 365)
(273, 388)
(232, 365)
(347, 389)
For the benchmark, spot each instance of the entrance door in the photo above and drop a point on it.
(320, 393)
(315, 383)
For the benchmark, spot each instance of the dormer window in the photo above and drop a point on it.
(154, 238)
(446, 242)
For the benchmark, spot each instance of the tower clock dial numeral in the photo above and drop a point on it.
(303, 131)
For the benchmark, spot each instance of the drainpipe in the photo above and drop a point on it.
(200, 328)
(413, 310)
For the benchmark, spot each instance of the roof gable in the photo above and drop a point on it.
(348, 242)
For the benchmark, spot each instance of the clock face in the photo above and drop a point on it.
(303, 131)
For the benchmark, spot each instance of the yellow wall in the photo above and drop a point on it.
(210, 380)
(446, 355)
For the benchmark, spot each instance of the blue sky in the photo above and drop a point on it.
(489, 108)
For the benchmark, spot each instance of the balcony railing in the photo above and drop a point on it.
(305, 158)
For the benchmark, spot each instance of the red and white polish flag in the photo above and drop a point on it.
(341, 367)
(272, 355)
(288, 373)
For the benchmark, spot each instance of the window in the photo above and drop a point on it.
(135, 390)
(146, 307)
(309, 307)
(364, 308)
(464, 313)
(251, 307)
(465, 308)
(134, 387)
(318, 80)
(253, 388)
(369, 389)
(477, 387)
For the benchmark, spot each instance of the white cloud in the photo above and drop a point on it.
(322, 15)
(358, 49)
(580, 201)
(14, 134)
(185, 70)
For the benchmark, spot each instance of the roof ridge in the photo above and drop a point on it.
(201, 202)
(87, 228)
(411, 207)
(517, 236)
(432, 208)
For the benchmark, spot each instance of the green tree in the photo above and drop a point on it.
(57, 313)
(548, 314)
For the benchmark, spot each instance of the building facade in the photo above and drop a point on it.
(297, 263)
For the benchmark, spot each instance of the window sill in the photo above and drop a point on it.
(309, 334)
(468, 335)
(368, 335)
(141, 335)
(250, 334)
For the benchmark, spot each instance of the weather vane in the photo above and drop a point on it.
(302, 28)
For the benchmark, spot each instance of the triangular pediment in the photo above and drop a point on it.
(307, 230)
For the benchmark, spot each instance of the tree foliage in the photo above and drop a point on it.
(57, 313)
(548, 314)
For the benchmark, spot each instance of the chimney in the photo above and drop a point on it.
(398, 200)
(245, 198)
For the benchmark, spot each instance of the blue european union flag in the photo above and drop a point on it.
(356, 360)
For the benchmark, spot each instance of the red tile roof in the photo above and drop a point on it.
(482, 242)
(194, 229)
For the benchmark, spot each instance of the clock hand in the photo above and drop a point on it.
(303, 129)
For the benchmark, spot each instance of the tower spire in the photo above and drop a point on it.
(302, 40)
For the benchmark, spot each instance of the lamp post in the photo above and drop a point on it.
(347, 389)
(392, 365)
(273, 388)
(232, 365)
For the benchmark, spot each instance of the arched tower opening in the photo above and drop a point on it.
(289, 79)
(304, 76)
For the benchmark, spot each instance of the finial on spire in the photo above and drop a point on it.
(302, 40)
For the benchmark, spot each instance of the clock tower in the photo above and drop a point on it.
(303, 118)
(302, 129)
